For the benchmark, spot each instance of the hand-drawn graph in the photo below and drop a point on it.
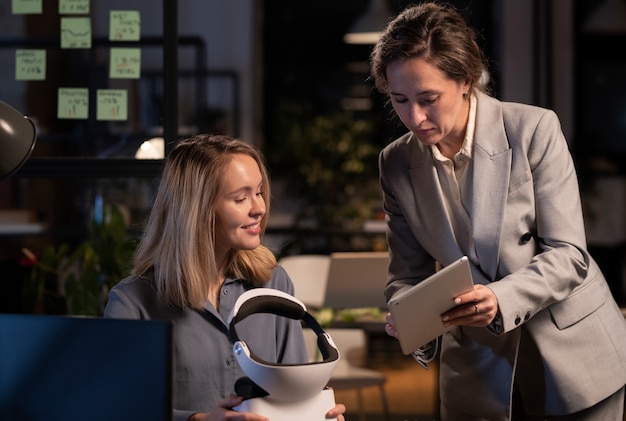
(75, 32)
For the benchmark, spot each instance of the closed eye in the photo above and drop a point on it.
(428, 101)
(399, 99)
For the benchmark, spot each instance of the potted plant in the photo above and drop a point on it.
(333, 168)
(66, 280)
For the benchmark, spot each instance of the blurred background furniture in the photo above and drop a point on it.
(357, 279)
(339, 280)
(309, 273)
(349, 375)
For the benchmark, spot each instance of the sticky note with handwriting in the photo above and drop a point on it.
(124, 25)
(112, 104)
(125, 63)
(73, 103)
(26, 7)
(73, 7)
(30, 64)
(75, 32)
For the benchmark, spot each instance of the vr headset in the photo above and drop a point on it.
(282, 391)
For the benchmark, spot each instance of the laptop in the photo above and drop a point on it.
(357, 279)
(416, 311)
(80, 368)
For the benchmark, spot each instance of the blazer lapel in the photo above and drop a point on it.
(436, 231)
(492, 170)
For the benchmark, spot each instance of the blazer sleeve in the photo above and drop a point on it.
(554, 263)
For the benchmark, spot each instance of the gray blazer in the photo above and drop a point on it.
(528, 231)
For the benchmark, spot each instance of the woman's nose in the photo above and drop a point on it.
(258, 206)
(417, 115)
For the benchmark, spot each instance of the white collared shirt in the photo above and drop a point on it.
(455, 179)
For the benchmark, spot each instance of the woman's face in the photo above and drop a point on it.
(428, 103)
(240, 206)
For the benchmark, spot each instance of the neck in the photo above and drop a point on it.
(454, 141)
(214, 292)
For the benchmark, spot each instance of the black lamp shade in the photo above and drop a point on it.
(17, 139)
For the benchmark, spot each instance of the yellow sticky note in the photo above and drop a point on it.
(30, 65)
(26, 7)
(75, 32)
(112, 104)
(125, 63)
(73, 103)
(124, 25)
(74, 7)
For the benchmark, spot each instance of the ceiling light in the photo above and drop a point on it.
(369, 26)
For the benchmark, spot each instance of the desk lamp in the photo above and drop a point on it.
(17, 139)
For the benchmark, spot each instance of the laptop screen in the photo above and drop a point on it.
(81, 368)
(357, 279)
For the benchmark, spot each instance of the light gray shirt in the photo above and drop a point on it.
(205, 369)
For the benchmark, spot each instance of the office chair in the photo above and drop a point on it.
(348, 375)
(309, 274)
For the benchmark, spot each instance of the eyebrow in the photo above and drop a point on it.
(244, 189)
(426, 92)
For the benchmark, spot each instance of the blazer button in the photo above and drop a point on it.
(525, 238)
(518, 320)
(527, 316)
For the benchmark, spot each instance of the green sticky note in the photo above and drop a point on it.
(124, 25)
(75, 33)
(26, 7)
(74, 7)
(30, 64)
(73, 103)
(112, 104)
(125, 63)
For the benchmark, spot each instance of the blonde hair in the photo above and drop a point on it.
(179, 241)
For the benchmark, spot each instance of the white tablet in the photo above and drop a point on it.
(417, 311)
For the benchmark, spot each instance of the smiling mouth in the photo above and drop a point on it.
(252, 226)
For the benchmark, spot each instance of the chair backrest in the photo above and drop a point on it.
(309, 273)
(351, 343)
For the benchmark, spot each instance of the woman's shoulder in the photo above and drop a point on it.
(400, 143)
(133, 283)
(400, 151)
(517, 112)
(130, 298)
(280, 280)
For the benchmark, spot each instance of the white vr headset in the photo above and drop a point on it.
(282, 382)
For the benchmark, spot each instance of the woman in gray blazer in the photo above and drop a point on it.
(540, 335)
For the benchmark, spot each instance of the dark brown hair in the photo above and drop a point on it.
(436, 33)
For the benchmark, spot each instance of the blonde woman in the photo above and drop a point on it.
(201, 250)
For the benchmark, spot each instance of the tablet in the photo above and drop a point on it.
(416, 311)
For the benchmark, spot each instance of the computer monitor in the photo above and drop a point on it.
(81, 368)
(357, 279)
